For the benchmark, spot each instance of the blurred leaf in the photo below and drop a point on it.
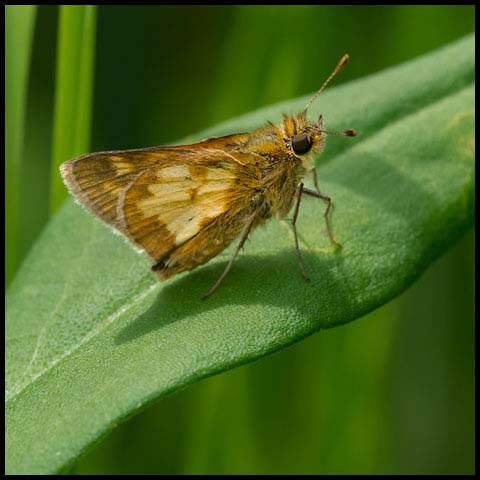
(73, 91)
(92, 337)
(19, 25)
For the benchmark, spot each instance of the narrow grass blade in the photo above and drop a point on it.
(19, 25)
(73, 91)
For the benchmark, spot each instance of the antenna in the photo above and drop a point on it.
(341, 63)
(347, 133)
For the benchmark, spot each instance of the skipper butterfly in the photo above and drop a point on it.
(185, 204)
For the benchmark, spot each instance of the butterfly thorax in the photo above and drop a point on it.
(269, 157)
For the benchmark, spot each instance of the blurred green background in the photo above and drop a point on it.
(390, 393)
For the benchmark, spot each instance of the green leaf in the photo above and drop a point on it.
(73, 91)
(19, 25)
(92, 337)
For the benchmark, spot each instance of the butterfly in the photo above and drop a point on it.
(185, 204)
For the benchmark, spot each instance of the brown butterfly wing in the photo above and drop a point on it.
(160, 198)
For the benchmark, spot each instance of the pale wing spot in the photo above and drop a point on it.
(186, 221)
(184, 200)
(153, 206)
(219, 174)
(202, 172)
(121, 166)
(163, 194)
(175, 173)
(218, 186)
(124, 168)
(170, 192)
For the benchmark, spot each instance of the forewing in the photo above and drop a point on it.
(158, 198)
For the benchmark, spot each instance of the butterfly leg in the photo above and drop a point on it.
(230, 263)
(317, 194)
(298, 196)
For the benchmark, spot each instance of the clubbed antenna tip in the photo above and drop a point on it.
(340, 64)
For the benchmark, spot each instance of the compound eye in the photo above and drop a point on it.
(301, 143)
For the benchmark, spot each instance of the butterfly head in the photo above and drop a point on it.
(306, 139)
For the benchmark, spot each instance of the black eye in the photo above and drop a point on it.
(301, 143)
